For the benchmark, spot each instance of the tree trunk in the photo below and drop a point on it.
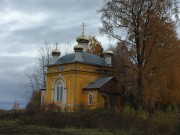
(139, 89)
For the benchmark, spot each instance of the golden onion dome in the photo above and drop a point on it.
(82, 39)
(109, 52)
(78, 48)
(56, 52)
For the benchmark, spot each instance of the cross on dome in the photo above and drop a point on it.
(83, 26)
(82, 39)
(55, 45)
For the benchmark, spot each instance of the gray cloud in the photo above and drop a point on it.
(25, 25)
(12, 79)
(57, 6)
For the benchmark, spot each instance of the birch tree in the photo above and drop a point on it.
(144, 26)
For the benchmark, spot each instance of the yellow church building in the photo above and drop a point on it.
(80, 79)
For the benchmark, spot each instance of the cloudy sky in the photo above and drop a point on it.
(26, 24)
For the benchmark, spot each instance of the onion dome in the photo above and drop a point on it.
(109, 52)
(82, 39)
(78, 48)
(56, 52)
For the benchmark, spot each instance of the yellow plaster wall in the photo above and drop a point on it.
(69, 80)
(77, 76)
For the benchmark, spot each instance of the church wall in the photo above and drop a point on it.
(69, 79)
(83, 79)
(84, 75)
(76, 76)
(100, 101)
(94, 100)
(49, 89)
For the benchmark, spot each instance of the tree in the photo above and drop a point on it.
(145, 27)
(45, 58)
(124, 72)
(15, 106)
(34, 105)
(162, 85)
(95, 46)
(37, 79)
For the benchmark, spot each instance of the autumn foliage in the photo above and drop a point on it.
(146, 36)
(95, 46)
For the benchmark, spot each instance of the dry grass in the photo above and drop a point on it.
(12, 128)
(127, 122)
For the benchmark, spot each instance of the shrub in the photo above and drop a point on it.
(163, 123)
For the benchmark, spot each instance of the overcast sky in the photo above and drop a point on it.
(26, 24)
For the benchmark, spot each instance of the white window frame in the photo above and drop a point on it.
(42, 99)
(59, 88)
(90, 101)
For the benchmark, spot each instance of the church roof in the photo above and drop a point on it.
(105, 85)
(86, 57)
(98, 83)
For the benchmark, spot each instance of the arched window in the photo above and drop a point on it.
(90, 98)
(59, 92)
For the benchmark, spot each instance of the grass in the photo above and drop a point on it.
(127, 122)
(88, 131)
(8, 127)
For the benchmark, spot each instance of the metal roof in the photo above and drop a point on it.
(87, 58)
(98, 83)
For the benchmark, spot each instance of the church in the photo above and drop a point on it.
(80, 79)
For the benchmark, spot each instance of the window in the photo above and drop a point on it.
(59, 92)
(42, 100)
(90, 98)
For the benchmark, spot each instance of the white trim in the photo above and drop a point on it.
(59, 91)
(42, 99)
(43, 94)
(64, 96)
(90, 94)
(59, 79)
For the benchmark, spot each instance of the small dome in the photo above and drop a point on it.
(82, 39)
(78, 48)
(56, 52)
(109, 52)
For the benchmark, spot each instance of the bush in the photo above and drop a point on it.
(134, 122)
(163, 123)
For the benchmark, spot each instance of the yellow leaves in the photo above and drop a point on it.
(95, 47)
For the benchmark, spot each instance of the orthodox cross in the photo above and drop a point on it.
(83, 26)
(56, 44)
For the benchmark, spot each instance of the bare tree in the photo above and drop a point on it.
(15, 106)
(44, 59)
(37, 79)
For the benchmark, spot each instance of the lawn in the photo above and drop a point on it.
(128, 122)
(12, 127)
(8, 127)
